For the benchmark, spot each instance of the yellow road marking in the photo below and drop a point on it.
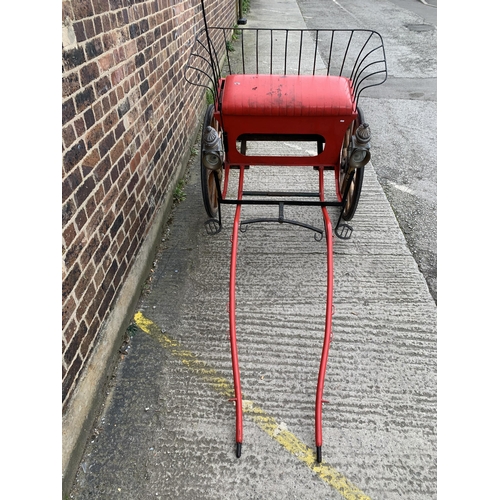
(265, 422)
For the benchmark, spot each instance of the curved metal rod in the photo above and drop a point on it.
(346, 52)
(282, 221)
(360, 70)
(232, 322)
(328, 321)
(357, 92)
(354, 67)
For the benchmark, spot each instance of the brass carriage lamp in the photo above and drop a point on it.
(360, 153)
(212, 150)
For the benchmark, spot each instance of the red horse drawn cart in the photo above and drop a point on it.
(285, 85)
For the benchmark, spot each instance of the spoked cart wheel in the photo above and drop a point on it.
(352, 191)
(208, 182)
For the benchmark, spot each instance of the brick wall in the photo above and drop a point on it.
(127, 118)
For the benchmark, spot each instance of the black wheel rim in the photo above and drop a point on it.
(208, 181)
(354, 190)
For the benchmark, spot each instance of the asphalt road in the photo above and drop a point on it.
(402, 113)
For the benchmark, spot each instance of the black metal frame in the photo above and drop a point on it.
(356, 54)
(342, 230)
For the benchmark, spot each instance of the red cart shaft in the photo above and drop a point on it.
(328, 319)
(232, 321)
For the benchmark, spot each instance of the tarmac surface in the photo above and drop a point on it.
(167, 428)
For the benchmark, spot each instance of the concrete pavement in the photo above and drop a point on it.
(167, 429)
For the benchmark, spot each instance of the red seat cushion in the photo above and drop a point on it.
(290, 95)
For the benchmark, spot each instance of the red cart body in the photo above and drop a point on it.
(291, 105)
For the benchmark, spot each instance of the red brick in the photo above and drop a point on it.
(67, 10)
(106, 61)
(69, 330)
(89, 73)
(105, 104)
(98, 25)
(94, 136)
(82, 8)
(102, 169)
(89, 28)
(85, 301)
(74, 250)
(115, 4)
(68, 111)
(119, 54)
(70, 280)
(110, 121)
(80, 219)
(68, 209)
(117, 151)
(107, 302)
(121, 275)
(99, 195)
(95, 220)
(113, 100)
(103, 86)
(130, 49)
(112, 20)
(68, 135)
(87, 253)
(106, 25)
(101, 250)
(83, 283)
(69, 234)
(84, 191)
(80, 127)
(94, 48)
(90, 161)
(70, 84)
(98, 111)
(110, 198)
(100, 6)
(135, 161)
(118, 75)
(74, 155)
(67, 311)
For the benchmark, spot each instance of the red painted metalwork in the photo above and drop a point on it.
(271, 115)
(290, 95)
(296, 104)
(232, 316)
(328, 317)
(286, 103)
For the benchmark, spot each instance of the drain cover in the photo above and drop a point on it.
(420, 27)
